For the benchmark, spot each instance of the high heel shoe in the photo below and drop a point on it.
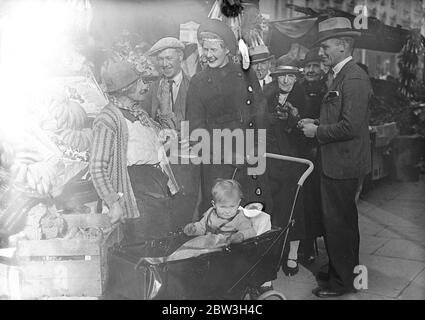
(290, 271)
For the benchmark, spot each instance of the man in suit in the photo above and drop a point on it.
(168, 53)
(343, 136)
(261, 60)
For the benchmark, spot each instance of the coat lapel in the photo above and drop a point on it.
(341, 75)
(180, 103)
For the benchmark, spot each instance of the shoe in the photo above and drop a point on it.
(264, 289)
(322, 276)
(290, 271)
(323, 292)
(309, 260)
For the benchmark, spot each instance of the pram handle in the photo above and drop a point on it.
(307, 162)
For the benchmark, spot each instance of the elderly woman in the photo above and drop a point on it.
(285, 101)
(129, 168)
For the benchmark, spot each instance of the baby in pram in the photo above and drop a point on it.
(225, 217)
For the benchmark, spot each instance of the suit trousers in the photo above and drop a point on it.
(342, 237)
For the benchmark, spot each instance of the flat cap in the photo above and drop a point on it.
(222, 30)
(165, 43)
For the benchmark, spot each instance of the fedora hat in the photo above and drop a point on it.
(259, 54)
(285, 65)
(335, 27)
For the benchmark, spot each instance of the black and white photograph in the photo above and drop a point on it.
(212, 150)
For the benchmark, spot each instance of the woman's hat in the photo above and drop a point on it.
(312, 55)
(222, 30)
(259, 54)
(335, 27)
(119, 75)
(285, 65)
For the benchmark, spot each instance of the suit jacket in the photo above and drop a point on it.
(343, 133)
(179, 106)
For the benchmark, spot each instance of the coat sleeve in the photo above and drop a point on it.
(101, 156)
(195, 110)
(355, 104)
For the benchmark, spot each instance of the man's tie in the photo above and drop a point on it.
(264, 83)
(170, 83)
(330, 78)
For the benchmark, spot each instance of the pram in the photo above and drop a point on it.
(233, 272)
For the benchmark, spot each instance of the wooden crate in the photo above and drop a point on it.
(58, 267)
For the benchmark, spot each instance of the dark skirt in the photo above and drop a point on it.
(153, 199)
(283, 177)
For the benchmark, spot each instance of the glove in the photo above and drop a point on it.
(190, 229)
(236, 237)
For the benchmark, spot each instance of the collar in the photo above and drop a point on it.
(178, 78)
(338, 67)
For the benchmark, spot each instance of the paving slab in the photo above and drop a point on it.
(389, 276)
(294, 290)
(416, 289)
(386, 216)
(369, 227)
(369, 244)
(404, 249)
(407, 233)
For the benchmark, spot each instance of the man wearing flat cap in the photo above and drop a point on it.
(168, 55)
(224, 96)
(261, 60)
(343, 136)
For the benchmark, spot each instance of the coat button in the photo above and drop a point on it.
(239, 75)
(251, 124)
(248, 102)
(250, 89)
(254, 177)
(258, 191)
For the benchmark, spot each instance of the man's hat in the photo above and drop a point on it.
(119, 75)
(335, 28)
(285, 65)
(312, 55)
(222, 30)
(259, 54)
(165, 43)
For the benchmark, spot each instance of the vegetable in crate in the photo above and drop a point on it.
(68, 114)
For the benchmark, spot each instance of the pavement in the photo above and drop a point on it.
(392, 247)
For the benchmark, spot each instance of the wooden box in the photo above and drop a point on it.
(59, 267)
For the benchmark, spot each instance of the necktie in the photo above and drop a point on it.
(330, 78)
(264, 83)
(170, 84)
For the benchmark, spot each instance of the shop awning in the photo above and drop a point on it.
(303, 30)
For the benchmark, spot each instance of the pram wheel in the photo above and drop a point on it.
(272, 295)
(254, 294)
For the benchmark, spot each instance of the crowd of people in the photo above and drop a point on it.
(307, 112)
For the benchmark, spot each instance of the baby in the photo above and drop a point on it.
(225, 216)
